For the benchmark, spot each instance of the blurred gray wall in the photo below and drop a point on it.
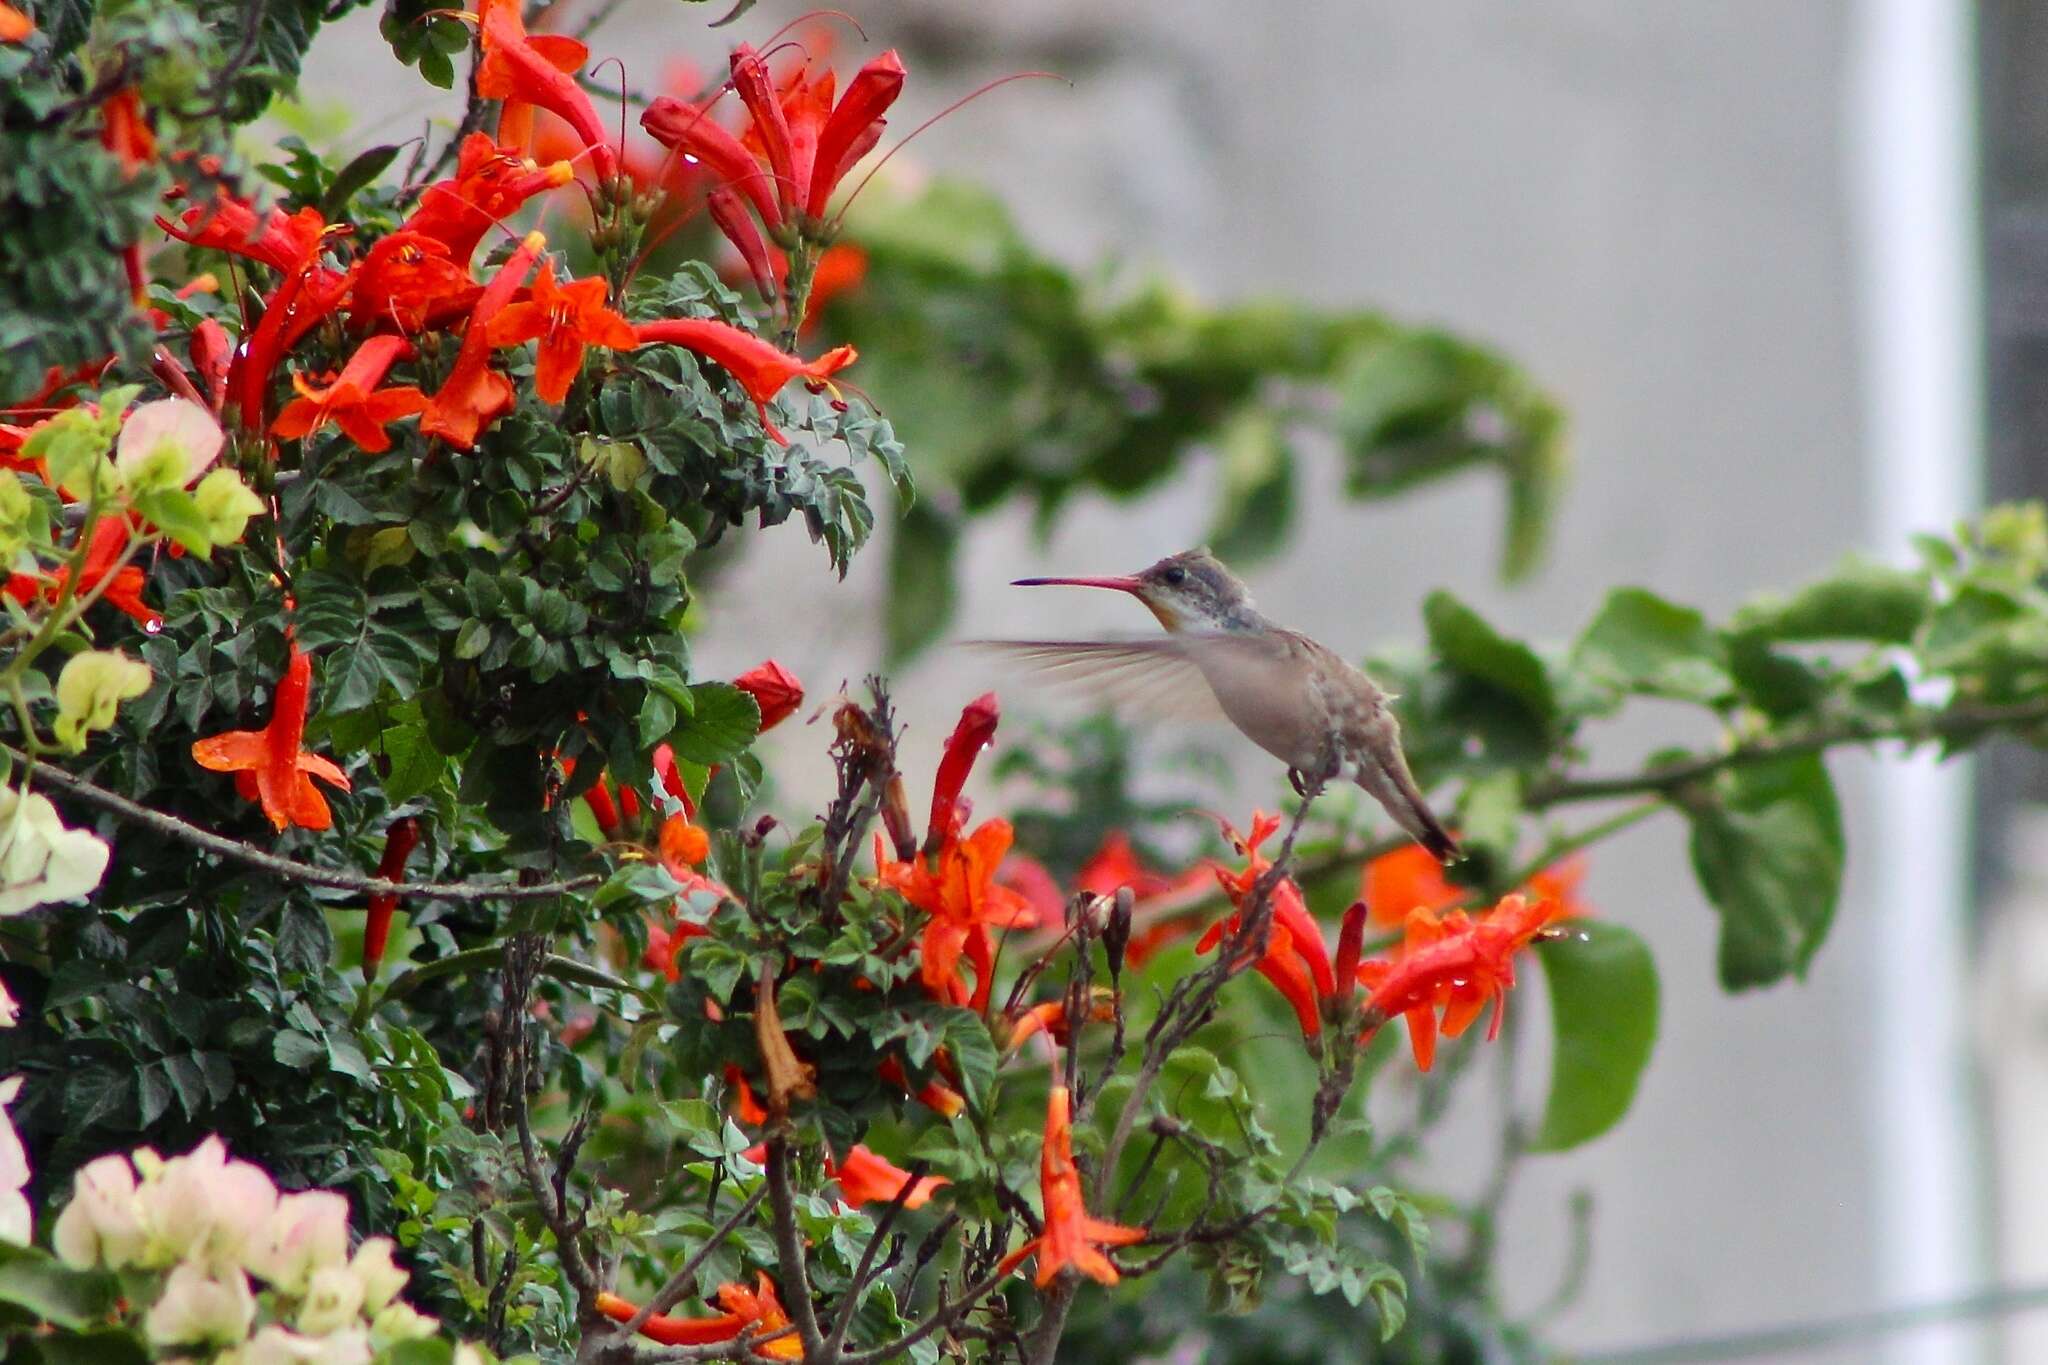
(1649, 205)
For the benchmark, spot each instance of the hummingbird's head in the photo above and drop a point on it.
(1188, 591)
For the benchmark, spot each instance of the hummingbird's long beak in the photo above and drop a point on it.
(1130, 585)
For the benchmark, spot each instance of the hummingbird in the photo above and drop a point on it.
(1294, 698)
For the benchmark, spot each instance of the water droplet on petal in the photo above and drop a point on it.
(153, 626)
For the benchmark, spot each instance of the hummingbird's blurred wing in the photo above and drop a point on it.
(1156, 675)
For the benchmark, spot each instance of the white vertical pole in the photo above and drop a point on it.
(1912, 158)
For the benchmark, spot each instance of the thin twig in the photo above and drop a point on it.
(862, 1273)
(235, 851)
(789, 1249)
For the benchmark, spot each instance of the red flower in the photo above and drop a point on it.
(567, 319)
(975, 731)
(865, 1178)
(751, 1311)
(1455, 965)
(212, 352)
(308, 293)
(270, 765)
(745, 1107)
(1294, 959)
(1072, 1239)
(399, 842)
(964, 901)
(1410, 878)
(124, 130)
(489, 184)
(1050, 1019)
(410, 281)
(353, 401)
(538, 69)
(774, 689)
(15, 27)
(102, 553)
(279, 240)
(474, 395)
(760, 368)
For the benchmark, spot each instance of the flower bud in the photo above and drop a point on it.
(974, 732)
(91, 688)
(225, 504)
(196, 1309)
(774, 689)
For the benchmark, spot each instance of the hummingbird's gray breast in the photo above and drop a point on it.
(1275, 686)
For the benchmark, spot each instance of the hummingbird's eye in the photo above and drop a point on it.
(1174, 577)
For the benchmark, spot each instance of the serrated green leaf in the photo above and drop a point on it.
(416, 765)
(1603, 1010)
(723, 720)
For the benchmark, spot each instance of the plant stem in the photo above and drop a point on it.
(172, 827)
(789, 1249)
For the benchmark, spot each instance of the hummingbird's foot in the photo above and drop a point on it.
(1304, 785)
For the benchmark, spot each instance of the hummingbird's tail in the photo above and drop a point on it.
(1393, 786)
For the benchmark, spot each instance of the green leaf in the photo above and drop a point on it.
(1767, 848)
(38, 1282)
(723, 720)
(113, 1346)
(365, 168)
(1862, 601)
(1603, 1006)
(1469, 646)
(1641, 643)
(921, 596)
(416, 765)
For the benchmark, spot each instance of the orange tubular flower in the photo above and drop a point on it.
(1071, 1238)
(269, 765)
(1410, 878)
(1455, 965)
(774, 689)
(474, 395)
(125, 132)
(399, 842)
(975, 731)
(354, 402)
(1289, 912)
(15, 27)
(759, 367)
(279, 240)
(746, 1310)
(124, 589)
(865, 1178)
(683, 846)
(964, 900)
(538, 69)
(410, 281)
(567, 319)
(490, 183)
